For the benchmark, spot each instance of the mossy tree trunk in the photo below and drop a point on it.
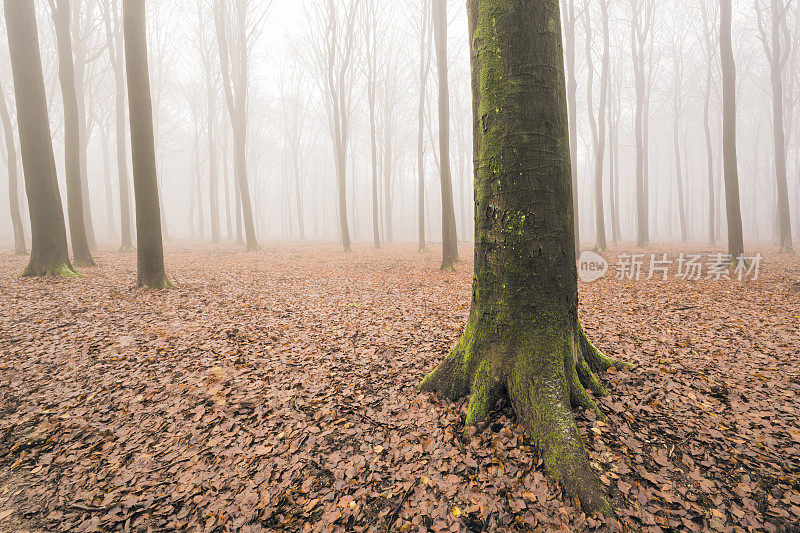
(49, 254)
(149, 251)
(523, 337)
(72, 135)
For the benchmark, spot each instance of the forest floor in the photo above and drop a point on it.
(276, 391)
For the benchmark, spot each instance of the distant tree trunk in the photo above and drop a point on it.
(523, 338)
(778, 56)
(150, 252)
(370, 23)
(709, 47)
(424, 69)
(236, 91)
(226, 174)
(598, 125)
(72, 143)
(735, 237)
(639, 32)
(613, 134)
(49, 254)
(387, 174)
(213, 170)
(568, 15)
(104, 138)
(81, 60)
(449, 231)
(677, 107)
(114, 45)
(20, 248)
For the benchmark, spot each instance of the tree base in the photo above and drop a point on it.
(545, 370)
(161, 283)
(64, 270)
(86, 263)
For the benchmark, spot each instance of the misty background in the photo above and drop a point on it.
(290, 155)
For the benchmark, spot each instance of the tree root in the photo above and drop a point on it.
(545, 371)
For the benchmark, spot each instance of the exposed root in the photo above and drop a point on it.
(598, 361)
(86, 263)
(545, 374)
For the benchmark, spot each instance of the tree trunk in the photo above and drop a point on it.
(637, 52)
(373, 133)
(523, 337)
(20, 248)
(72, 143)
(424, 69)
(79, 52)
(598, 126)
(226, 174)
(387, 176)
(213, 170)
(712, 234)
(733, 207)
(114, 45)
(568, 14)
(49, 254)
(150, 251)
(779, 132)
(449, 232)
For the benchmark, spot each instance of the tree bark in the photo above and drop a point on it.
(639, 32)
(49, 254)
(709, 47)
(72, 137)
(150, 251)
(449, 231)
(523, 337)
(731, 167)
(20, 248)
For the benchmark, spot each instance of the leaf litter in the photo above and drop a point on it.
(276, 391)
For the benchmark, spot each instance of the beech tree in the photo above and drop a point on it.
(777, 47)
(82, 255)
(371, 16)
(49, 254)
(114, 46)
(678, 43)
(598, 125)
(149, 250)
(425, 38)
(641, 28)
(235, 28)
(523, 337)
(731, 165)
(569, 18)
(710, 40)
(20, 248)
(335, 57)
(449, 230)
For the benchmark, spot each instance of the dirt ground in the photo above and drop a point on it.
(276, 391)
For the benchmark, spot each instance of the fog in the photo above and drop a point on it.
(291, 150)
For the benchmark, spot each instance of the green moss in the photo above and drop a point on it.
(484, 395)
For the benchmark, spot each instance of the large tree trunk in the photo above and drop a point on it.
(523, 337)
(733, 207)
(20, 247)
(449, 232)
(150, 251)
(49, 254)
(72, 143)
